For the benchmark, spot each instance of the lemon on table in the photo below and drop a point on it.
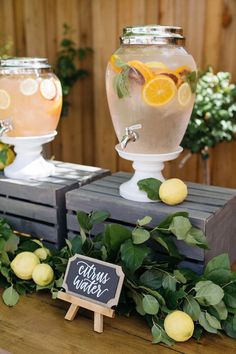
(184, 94)
(173, 191)
(5, 99)
(159, 91)
(23, 265)
(43, 274)
(42, 253)
(7, 155)
(179, 326)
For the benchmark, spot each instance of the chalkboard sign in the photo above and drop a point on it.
(94, 280)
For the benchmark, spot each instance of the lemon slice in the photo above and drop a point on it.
(48, 89)
(159, 91)
(184, 94)
(142, 68)
(156, 65)
(5, 99)
(28, 87)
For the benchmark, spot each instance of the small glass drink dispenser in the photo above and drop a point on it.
(30, 107)
(150, 83)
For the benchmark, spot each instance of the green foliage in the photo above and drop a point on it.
(213, 119)
(66, 67)
(153, 286)
(5, 49)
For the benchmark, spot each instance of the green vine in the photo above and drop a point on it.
(66, 67)
(155, 283)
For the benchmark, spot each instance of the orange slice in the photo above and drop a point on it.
(5, 99)
(28, 87)
(159, 91)
(184, 94)
(113, 61)
(48, 89)
(142, 68)
(183, 70)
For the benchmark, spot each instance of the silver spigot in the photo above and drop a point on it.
(5, 126)
(130, 135)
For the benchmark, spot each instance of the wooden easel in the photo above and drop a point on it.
(76, 303)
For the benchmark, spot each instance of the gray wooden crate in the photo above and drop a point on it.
(37, 207)
(211, 208)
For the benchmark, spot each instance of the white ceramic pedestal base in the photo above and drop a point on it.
(29, 163)
(145, 166)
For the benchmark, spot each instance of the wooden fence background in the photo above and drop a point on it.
(86, 136)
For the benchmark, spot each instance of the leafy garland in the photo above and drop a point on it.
(155, 284)
(213, 119)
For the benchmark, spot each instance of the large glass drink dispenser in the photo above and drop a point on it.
(30, 107)
(150, 83)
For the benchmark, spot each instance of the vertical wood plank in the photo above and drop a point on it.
(7, 22)
(104, 44)
(20, 45)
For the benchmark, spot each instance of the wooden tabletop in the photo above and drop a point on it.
(37, 325)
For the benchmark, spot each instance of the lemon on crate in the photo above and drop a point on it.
(179, 326)
(173, 191)
(43, 274)
(42, 253)
(7, 155)
(23, 265)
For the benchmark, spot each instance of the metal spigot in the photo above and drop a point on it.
(130, 135)
(5, 126)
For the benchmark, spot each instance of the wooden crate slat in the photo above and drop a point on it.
(35, 229)
(29, 210)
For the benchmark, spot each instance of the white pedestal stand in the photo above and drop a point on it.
(29, 163)
(145, 166)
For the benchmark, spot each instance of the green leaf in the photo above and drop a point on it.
(98, 217)
(83, 235)
(4, 258)
(144, 221)
(115, 236)
(54, 293)
(191, 307)
(221, 310)
(156, 334)
(10, 296)
(138, 299)
(121, 82)
(69, 245)
(11, 244)
(169, 282)
(150, 305)
(205, 324)
(180, 276)
(165, 224)
(151, 186)
(173, 297)
(168, 243)
(180, 226)
(229, 326)
(59, 282)
(154, 293)
(219, 262)
(140, 235)
(213, 321)
(208, 293)
(84, 221)
(152, 278)
(6, 273)
(230, 295)
(196, 237)
(133, 255)
(29, 246)
(76, 244)
(220, 276)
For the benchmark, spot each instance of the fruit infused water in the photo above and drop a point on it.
(150, 83)
(30, 97)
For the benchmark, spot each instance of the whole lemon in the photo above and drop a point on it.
(43, 274)
(42, 253)
(10, 156)
(173, 191)
(23, 265)
(179, 326)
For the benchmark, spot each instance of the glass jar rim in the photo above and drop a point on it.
(152, 34)
(24, 63)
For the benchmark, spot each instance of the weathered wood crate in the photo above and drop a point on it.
(37, 207)
(213, 209)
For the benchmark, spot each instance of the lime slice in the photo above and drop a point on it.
(28, 87)
(5, 99)
(184, 94)
(48, 89)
